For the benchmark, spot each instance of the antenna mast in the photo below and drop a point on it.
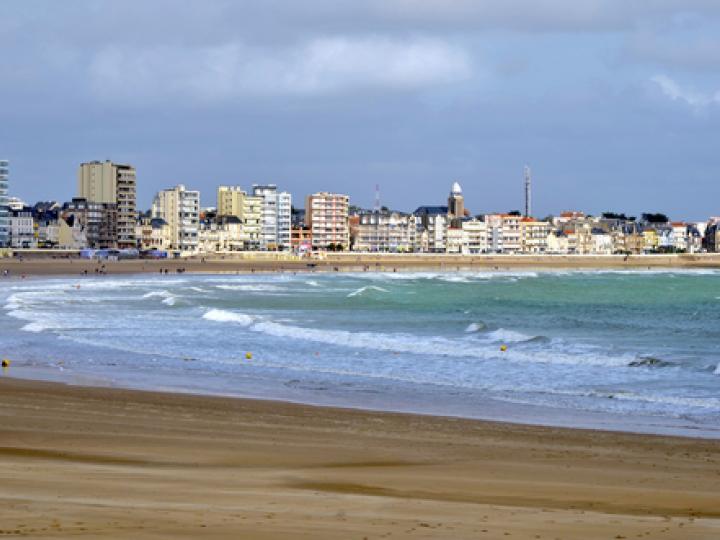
(377, 198)
(528, 192)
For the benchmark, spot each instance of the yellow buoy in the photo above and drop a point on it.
(5, 362)
(248, 356)
(503, 348)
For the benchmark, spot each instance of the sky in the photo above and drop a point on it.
(614, 104)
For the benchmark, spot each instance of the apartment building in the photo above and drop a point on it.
(234, 201)
(106, 182)
(4, 211)
(388, 232)
(534, 235)
(180, 209)
(275, 217)
(326, 215)
(22, 228)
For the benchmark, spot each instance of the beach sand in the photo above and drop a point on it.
(355, 262)
(111, 463)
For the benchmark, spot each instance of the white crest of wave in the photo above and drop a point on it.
(507, 336)
(717, 369)
(34, 327)
(158, 294)
(251, 287)
(366, 288)
(221, 315)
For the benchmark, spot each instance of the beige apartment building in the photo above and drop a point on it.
(180, 208)
(534, 235)
(112, 183)
(326, 215)
(234, 201)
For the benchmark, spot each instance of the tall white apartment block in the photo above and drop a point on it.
(180, 208)
(276, 216)
(4, 210)
(326, 215)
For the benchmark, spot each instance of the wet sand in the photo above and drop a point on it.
(354, 262)
(111, 463)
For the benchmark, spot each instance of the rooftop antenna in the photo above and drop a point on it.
(377, 198)
(528, 192)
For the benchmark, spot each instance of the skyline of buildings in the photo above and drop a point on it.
(104, 215)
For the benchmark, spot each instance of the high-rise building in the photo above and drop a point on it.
(326, 215)
(233, 201)
(112, 183)
(275, 218)
(180, 208)
(4, 211)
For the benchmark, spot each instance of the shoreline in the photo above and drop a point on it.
(489, 410)
(348, 262)
(116, 463)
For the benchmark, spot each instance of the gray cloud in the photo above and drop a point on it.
(231, 71)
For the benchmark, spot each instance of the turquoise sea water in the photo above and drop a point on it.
(635, 350)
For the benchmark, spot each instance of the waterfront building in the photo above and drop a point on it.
(474, 237)
(504, 234)
(97, 220)
(233, 201)
(4, 211)
(112, 183)
(180, 209)
(153, 233)
(712, 235)
(387, 232)
(300, 239)
(534, 235)
(22, 228)
(435, 221)
(602, 242)
(275, 217)
(326, 215)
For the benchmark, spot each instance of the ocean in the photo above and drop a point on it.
(627, 350)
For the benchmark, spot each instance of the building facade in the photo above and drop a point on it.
(112, 183)
(275, 217)
(326, 215)
(4, 211)
(180, 209)
(387, 232)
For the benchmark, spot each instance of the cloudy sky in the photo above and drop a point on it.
(615, 104)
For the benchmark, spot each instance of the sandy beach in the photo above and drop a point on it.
(110, 463)
(44, 264)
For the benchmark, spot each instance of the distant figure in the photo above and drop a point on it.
(6, 272)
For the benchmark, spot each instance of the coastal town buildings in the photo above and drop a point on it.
(104, 216)
(326, 215)
(180, 209)
(4, 211)
(106, 182)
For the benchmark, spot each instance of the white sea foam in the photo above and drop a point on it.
(34, 327)
(198, 289)
(717, 370)
(366, 288)
(221, 315)
(474, 327)
(158, 294)
(170, 301)
(507, 336)
(251, 287)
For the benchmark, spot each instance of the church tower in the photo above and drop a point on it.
(456, 202)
